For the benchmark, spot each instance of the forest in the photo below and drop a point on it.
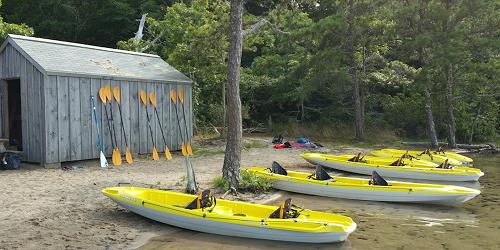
(422, 69)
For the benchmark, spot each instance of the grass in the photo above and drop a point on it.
(249, 182)
(207, 151)
(249, 144)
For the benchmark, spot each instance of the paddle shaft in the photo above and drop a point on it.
(161, 127)
(188, 161)
(113, 123)
(99, 141)
(185, 122)
(123, 127)
(149, 125)
(109, 126)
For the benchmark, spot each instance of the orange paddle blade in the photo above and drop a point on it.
(181, 95)
(189, 149)
(128, 156)
(184, 153)
(102, 95)
(152, 98)
(108, 93)
(144, 98)
(116, 158)
(116, 94)
(173, 96)
(155, 154)
(168, 155)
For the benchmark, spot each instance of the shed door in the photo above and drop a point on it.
(14, 129)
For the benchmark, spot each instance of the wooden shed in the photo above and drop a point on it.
(45, 105)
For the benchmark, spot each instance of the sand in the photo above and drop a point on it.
(64, 209)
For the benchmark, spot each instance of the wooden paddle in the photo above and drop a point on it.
(152, 99)
(128, 154)
(144, 100)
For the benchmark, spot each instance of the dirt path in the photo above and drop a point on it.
(56, 209)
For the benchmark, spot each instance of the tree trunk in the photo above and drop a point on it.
(476, 117)
(449, 106)
(430, 118)
(232, 157)
(351, 45)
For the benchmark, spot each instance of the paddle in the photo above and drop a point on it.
(173, 98)
(181, 99)
(116, 152)
(116, 156)
(191, 186)
(102, 157)
(145, 102)
(128, 154)
(152, 99)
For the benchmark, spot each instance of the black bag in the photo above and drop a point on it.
(10, 161)
(278, 139)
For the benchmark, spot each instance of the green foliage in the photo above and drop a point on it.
(249, 182)
(10, 28)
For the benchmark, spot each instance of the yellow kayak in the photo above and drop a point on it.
(322, 184)
(206, 214)
(394, 167)
(438, 156)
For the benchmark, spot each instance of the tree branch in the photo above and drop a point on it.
(259, 24)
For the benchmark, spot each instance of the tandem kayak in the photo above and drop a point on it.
(322, 184)
(438, 156)
(410, 168)
(233, 218)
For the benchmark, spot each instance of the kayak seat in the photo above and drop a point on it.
(377, 180)
(203, 200)
(321, 175)
(276, 168)
(444, 165)
(357, 158)
(285, 211)
(399, 162)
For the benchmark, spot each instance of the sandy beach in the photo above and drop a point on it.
(64, 209)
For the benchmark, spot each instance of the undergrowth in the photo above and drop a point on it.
(249, 182)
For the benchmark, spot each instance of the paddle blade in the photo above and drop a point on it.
(184, 153)
(116, 158)
(168, 155)
(173, 96)
(104, 162)
(102, 95)
(181, 95)
(155, 154)
(108, 93)
(152, 98)
(128, 156)
(116, 94)
(144, 98)
(189, 149)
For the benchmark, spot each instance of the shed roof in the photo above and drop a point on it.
(64, 58)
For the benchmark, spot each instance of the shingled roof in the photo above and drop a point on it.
(63, 58)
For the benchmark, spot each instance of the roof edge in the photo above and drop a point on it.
(79, 45)
(10, 40)
(82, 75)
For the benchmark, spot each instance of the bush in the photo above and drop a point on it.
(249, 182)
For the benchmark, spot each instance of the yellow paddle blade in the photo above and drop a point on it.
(152, 98)
(168, 155)
(184, 153)
(144, 98)
(102, 95)
(181, 95)
(189, 149)
(173, 96)
(128, 156)
(155, 154)
(116, 158)
(108, 93)
(116, 94)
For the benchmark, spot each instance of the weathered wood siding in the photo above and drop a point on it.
(14, 65)
(71, 131)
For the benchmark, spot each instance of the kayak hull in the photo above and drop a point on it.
(388, 172)
(229, 229)
(372, 195)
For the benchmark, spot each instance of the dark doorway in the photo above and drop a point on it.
(14, 113)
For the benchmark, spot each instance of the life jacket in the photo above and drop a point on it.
(285, 211)
(203, 200)
(377, 180)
